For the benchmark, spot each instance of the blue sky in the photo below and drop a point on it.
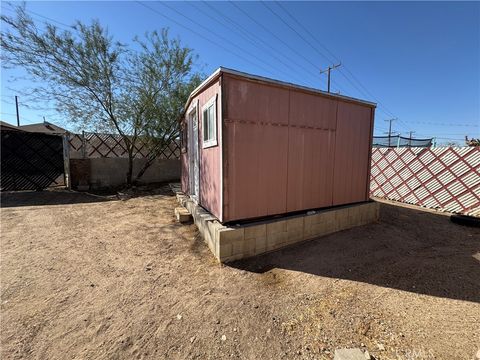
(419, 60)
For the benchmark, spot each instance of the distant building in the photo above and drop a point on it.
(44, 127)
(6, 126)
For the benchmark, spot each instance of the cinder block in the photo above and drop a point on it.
(232, 258)
(341, 219)
(315, 218)
(295, 235)
(354, 215)
(211, 235)
(276, 227)
(249, 247)
(318, 229)
(276, 240)
(328, 216)
(183, 215)
(231, 235)
(260, 244)
(182, 199)
(295, 228)
(237, 247)
(307, 232)
(255, 231)
(330, 226)
(225, 250)
(295, 223)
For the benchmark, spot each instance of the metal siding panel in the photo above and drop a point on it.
(311, 150)
(310, 168)
(256, 103)
(352, 149)
(257, 149)
(257, 170)
(270, 130)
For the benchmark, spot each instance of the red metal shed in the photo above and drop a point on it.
(255, 147)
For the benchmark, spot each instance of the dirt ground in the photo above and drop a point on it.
(84, 277)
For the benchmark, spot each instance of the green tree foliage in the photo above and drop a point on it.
(101, 84)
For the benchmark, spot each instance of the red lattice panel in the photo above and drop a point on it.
(113, 146)
(446, 179)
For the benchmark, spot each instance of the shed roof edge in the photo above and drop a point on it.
(264, 79)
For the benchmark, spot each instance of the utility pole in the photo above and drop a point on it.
(16, 105)
(390, 129)
(410, 138)
(328, 73)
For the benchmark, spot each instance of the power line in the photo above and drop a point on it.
(274, 35)
(442, 124)
(200, 35)
(253, 38)
(380, 105)
(245, 35)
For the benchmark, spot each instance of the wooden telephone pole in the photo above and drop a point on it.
(390, 129)
(330, 68)
(18, 115)
(410, 138)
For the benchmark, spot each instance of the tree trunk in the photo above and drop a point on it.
(144, 168)
(130, 167)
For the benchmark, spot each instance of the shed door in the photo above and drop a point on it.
(194, 155)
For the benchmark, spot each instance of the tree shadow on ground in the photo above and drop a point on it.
(55, 196)
(48, 197)
(408, 249)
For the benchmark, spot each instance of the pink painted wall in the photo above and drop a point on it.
(210, 158)
(289, 150)
(352, 153)
(311, 151)
(256, 148)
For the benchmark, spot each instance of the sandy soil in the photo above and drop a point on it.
(83, 278)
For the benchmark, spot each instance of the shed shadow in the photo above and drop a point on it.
(407, 249)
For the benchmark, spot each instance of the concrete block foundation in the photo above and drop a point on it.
(236, 242)
(183, 215)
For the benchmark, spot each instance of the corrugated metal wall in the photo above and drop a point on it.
(256, 130)
(281, 150)
(352, 153)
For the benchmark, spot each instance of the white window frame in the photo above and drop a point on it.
(213, 141)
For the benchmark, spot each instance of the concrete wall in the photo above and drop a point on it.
(107, 172)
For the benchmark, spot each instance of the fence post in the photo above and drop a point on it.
(66, 161)
(398, 141)
(84, 145)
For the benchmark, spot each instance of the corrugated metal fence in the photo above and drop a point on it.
(447, 179)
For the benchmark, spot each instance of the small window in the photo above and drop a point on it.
(209, 113)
